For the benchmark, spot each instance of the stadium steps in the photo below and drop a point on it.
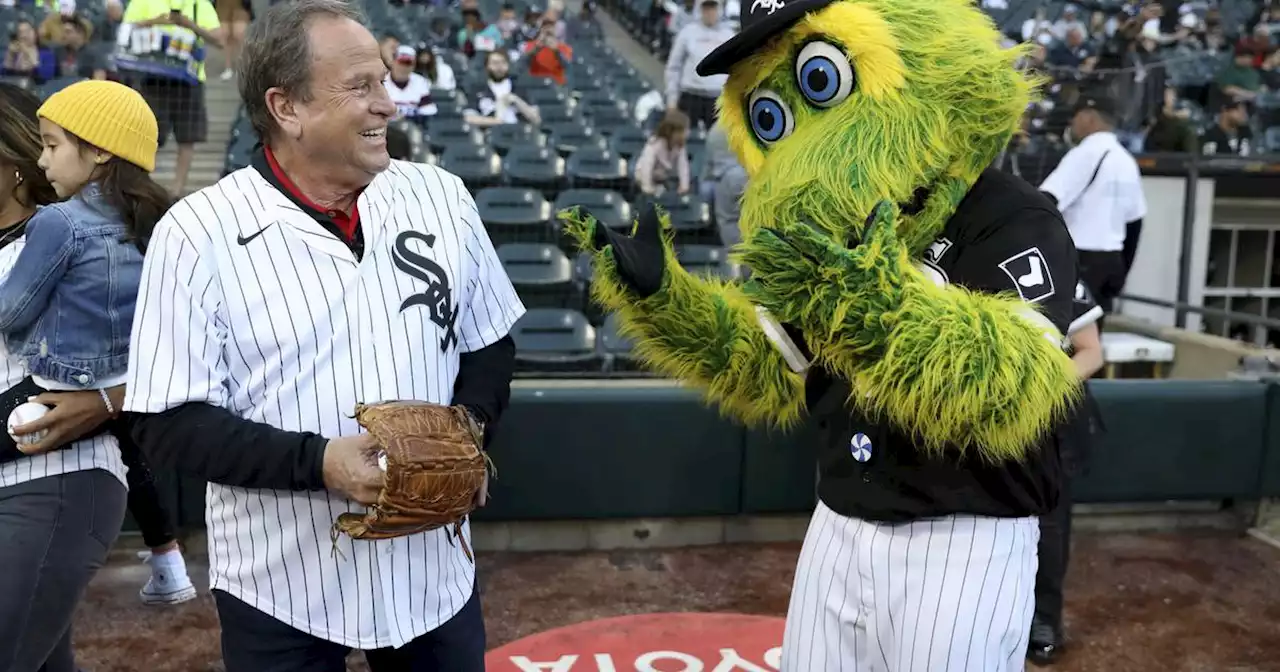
(222, 101)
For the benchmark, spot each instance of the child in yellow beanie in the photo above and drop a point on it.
(66, 306)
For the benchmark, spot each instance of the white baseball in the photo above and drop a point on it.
(382, 461)
(28, 412)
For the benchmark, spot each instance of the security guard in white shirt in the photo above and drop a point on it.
(1098, 188)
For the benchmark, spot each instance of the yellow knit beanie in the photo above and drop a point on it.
(109, 116)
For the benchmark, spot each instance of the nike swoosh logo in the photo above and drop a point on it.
(245, 240)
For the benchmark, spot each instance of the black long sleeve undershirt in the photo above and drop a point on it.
(214, 444)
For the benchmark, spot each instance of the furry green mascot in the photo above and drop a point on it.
(907, 297)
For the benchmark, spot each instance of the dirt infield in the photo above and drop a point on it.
(1136, 603)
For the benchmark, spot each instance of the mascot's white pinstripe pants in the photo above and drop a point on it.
(952, 594)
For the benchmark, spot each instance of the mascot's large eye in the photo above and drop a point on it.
(824, 74)
(771, 119)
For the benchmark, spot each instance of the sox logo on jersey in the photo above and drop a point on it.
(293, 330)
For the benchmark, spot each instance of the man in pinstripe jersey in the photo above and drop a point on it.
(323, 275)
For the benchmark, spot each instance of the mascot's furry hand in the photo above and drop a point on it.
(640, 259)
(806, 278)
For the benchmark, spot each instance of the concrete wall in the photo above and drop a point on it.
(1196, 356)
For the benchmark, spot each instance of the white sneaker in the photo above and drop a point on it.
(227, 75)
(169, 583)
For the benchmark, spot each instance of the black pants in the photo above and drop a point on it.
(144, 498)
(55, 533)
(253, 641)
(1054, 550)
(1103, 273)
(699, 108)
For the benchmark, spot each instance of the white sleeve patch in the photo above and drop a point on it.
(1030, 275)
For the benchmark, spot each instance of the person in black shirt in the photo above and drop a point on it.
(1075, 439)
(1231, 135)
(904, 297)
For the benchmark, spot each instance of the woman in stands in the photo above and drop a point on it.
(439, 73)
(24, 57)
(664, 162)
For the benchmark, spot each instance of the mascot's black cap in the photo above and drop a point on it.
(762, 20)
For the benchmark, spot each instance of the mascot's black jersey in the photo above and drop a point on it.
(1004, 236)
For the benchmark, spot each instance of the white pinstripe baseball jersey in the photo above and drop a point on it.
(98, 452)
(248, 303)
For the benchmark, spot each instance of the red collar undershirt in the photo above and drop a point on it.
(345, 223)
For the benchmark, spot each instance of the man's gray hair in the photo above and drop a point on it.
(277, 54)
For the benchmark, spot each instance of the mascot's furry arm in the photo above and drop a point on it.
(980, 372)
(700, 331)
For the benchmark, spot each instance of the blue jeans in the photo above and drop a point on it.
(54, 536)
(253, 641)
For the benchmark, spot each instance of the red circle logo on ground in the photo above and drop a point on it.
(649, 643)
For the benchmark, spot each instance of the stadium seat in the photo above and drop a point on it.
(545, 97)
(538, 167)
(514, 214)
(601, 97)
(504, 137)
(709, 260)
(477, 165)
(528, 83)
(444, 132)
(689, 214)
(597, 168)
(558, 113)
(616, 349)
(628, 142)
(554, 339)
(541, 273)
(570, 137)
(412, 131)
(609, 116)
(606, 206)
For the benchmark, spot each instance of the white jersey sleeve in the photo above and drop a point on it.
(489, 303)
(176, 353)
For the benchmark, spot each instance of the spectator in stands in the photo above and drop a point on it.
(1070, 21)
(532, 25)
(547, 55)
(555, 10)
(387, 46)
(1239, 79)
(508, 24)
(1258, 44)
(1231, 135)
(1171, 131)
(1037, 26)
(24, 57)
(104, 31)
(1098, 188)
(477, 37)
(50, 31)
(584, 26)
(439, 32)
(1072, 51)
(234, 15)
(728, 203)
(439, 73)
(681, 15)
(410, 91)
(75, 58)
(663, 164)
(688, 91)
(178, 103)
(496, 101)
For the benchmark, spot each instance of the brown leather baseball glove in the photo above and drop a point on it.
(435, 469)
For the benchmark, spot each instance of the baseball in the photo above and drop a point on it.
(28, 412)
(382, 461)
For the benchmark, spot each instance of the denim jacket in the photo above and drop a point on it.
(66, 308)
